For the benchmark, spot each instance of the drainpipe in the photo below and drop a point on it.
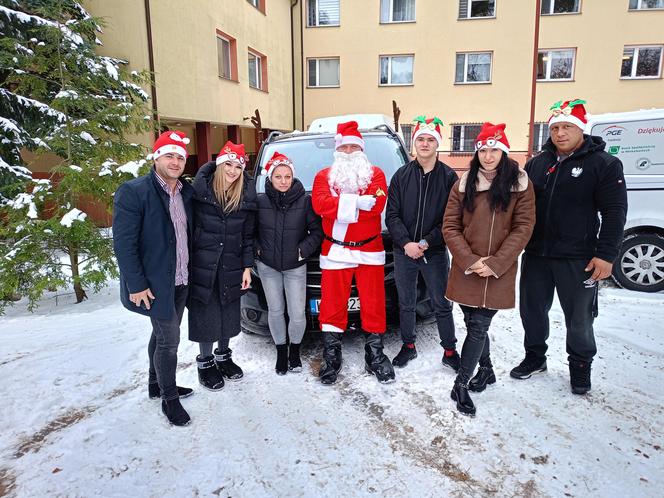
(293, 4)
(533, 89)
(153, 87)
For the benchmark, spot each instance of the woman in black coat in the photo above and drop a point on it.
(288, 232)
(221, 261)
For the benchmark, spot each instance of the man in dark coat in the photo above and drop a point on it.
(570, 251)
(414, 216)
(151, 230)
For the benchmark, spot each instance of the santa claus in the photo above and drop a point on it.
(350, 196)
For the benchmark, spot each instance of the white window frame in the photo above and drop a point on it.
(391, 20)
(465, 69)
(318, 25)
(635, 62)
(389, 70)
(407, 131)
(317, 59)
(259, 70)
(470, 9)
(462, 138)
(553, 6)
(639, 6)
(548, 65)
(230, 58)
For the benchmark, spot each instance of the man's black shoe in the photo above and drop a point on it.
(579, 376)
(175, 413)
(464, 404)
(155, 393)
(529, 366)
(452, 359)
(407, 353)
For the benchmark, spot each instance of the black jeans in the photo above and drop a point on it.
(434, 272)
(540, 276)
(476, 346)
(163, 347)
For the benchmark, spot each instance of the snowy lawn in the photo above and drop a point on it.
(77, 420)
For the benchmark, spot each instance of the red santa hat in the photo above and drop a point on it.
(170, 142)
(277, 159)
(431, 126)
(570, 111)
(347, 133)
(233, 153)
(492, 136)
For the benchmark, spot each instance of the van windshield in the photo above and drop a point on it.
(310, 155)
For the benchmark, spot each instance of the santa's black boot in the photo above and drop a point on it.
(208, 375)
(226, 366)
(376, 363)
(331, 358)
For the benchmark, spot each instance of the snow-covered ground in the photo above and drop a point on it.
(77, 421)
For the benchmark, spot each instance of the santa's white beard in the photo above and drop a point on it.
(350, 173)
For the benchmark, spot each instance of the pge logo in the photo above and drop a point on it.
(613, 131)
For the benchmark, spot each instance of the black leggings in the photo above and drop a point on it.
(476, 346)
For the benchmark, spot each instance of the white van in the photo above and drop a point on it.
(637, 139)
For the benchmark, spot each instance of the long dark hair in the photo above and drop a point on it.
(500, 191)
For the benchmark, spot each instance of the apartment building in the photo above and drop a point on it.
(469, 61)
(214, 61)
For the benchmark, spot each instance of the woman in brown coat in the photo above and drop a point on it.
(488, 221)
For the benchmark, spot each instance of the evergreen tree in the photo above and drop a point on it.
(59, 97)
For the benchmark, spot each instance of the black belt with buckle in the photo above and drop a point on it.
(359, 243)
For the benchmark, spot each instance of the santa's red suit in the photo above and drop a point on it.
(344, 222)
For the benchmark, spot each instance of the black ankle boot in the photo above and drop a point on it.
(294, 362)
(460, 394)
(226, 365)
(282, 359)
(484, 376)
(175, 413)
(208, 375)
(155, 393)
(331, 358)
(376, 363)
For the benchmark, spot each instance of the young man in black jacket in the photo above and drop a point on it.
(570, 251)
(415, 207)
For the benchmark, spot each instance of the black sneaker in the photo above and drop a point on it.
(529, 366)
(407, 353)
(579, 376)
(452, 359)
(155, 393)
(175, 413)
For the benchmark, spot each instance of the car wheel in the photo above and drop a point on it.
(640, 263)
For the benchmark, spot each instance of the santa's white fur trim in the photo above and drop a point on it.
(169, 149)
(342, 257)
(340, 140)
(561, 118)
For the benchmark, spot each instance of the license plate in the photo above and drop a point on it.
(353, 305)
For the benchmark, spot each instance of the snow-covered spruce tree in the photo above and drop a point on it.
(58, 96)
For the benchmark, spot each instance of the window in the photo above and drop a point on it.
(473, 68)
(646, 4)
(471, 9)
(257, 70)
(226, 56)
(407, 132)
(463, 137)
(641, 62)
(397, 11)
(322, 13)
(540, 136)
(396, 69)
(555, 64)
(559, 7)
(323, 72)
(259, 4)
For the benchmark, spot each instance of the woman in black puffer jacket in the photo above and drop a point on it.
(288, 232)
(221, 261)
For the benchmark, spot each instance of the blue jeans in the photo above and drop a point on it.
(294, 283)
(434, 272)
(163, 346)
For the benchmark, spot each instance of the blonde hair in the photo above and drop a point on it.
(228, 196)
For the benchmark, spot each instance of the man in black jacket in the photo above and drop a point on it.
(151, 231)
(570, 251)
(415, 207)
